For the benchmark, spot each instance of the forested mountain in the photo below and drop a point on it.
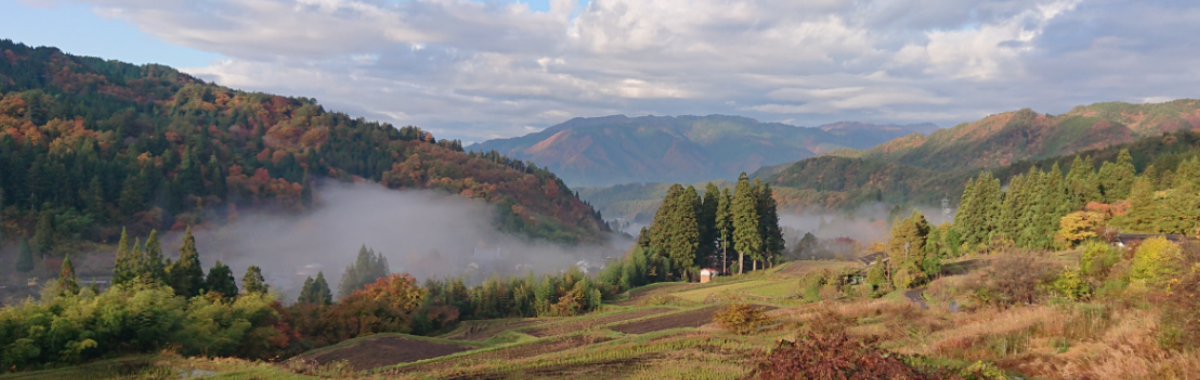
(1011, 137)
(88, 146)
(617, 149)
(840, 182)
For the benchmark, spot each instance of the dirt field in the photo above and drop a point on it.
(800, 268)
(576, 326)
(482, 330)
(657, 290)
(694, 318)
(525, 351)
(384, 351)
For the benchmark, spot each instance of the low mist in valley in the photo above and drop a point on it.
(866, 224)
(424, 233)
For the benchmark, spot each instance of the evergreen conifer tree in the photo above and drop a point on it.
(307, 296)
(1143, 214)
(43, 236)
(367, 268)
(744, 212)
(216, 178)
(123, 271)
(724, 225)
(24, 257)
(768, 219)
(186, 276)
(321, 293)
(67, 284)
(220, 280)
(708, 221)
(681, 237)
(253, 281)
(150, 266)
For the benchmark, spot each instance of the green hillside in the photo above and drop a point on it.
(616, 149)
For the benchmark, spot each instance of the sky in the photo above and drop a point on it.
(477, 70)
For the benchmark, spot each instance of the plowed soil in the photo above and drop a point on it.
(511, 353)
(483, 331)
(572, 327)
(694, 318)
(385, 351)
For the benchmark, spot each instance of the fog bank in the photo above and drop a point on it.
(424, 233)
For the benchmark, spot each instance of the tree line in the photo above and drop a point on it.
(690, 231)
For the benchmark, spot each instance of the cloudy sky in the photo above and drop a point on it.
(475, 70)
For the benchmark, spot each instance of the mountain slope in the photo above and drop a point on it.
(617, 149)
(88, 146)
(1011, 137)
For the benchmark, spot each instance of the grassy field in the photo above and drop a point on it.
(665, 331)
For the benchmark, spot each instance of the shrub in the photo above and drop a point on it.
(1097, 259)
(1071, 285)
(741, 318)
(1156, 262)
(1010, 280)
(838, 356)
(1180, 325)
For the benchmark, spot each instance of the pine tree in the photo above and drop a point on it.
(123, 270)
(150, 266)
(307, 295)
(708, 221)
(966, 218)
(216, 178)
(321, 293)
(67, 284)
(1143, 214)
(1116, 178)
(254, 282)
(367, 268)
(663, 217)
(24, 257)
(681, 238)
(186, 276)
(744, 211)
(43, 236)
(1081, 184)
(724, 226)
(220, 280)
(768, 214)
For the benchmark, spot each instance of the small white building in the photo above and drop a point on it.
(708, 274)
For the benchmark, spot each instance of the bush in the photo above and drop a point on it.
(1180, 325)
(1071, 285)
(741, 318)
(838, 356)
(1011, 280)
(1097, 259)
(1156, 262)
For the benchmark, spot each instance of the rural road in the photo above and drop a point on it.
(914, 296)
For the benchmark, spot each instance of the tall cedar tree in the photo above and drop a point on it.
(123, 269)
(43, 236)
(708, 224)
(744, 211)
(367, 268)
(67, 284)
(662, 218)
(316, 292)
(24, 257)
(724, 226)
(150, 267)
(254, 282)
(768, 221)
(682, 240)
(186, 276)
(220, 280)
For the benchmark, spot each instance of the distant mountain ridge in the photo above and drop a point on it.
(1010, 137)
(617, 149)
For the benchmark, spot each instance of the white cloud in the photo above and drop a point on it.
(474, 70)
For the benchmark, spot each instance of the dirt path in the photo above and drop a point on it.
(914, 296)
